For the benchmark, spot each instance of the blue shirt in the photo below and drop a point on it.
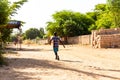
(55, 41)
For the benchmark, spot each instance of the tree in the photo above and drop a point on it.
(32, 33)
(42, 32)
(101, 16)
(68, 23)
(6, 11)
(114, 7)
(104, 21)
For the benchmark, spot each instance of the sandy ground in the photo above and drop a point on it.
(76, 63)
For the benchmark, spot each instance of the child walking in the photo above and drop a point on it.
(56, 41)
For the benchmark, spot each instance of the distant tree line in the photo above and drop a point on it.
(34, 33)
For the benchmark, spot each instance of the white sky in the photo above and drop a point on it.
(37, 12)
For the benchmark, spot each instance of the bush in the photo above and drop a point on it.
(2, 61)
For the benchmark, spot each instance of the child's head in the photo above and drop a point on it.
(55, 34)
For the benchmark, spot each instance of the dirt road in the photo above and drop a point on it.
(76, 63)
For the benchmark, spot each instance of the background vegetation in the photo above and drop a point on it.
(69, 23)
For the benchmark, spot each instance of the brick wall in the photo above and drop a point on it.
(105, 38)
(84, 40)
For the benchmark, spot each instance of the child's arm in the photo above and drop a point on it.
(50, 41)
(62, 44)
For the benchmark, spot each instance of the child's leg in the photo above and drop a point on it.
(56, 54)
(57, 57)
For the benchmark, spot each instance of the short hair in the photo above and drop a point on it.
(55, 33)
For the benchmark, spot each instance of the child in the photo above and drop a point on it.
(56, 41)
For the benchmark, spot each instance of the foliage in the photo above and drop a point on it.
(6, 11)
(2, 61)
(104, 21)
(114, 7)
(33, 33)
(5, 34)
(100, 7)
(101, 16)
(68, 23)
(42, 32)
(16, 5)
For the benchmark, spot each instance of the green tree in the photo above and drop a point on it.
(104, 21)
(114, 7)
(42, 32)
(32, 33)
(69, 23)
(93, 16)
(6, 11)
(101, 16)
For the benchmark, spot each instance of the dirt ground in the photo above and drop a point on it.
(76, 63)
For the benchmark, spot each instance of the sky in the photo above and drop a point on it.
(37, 12)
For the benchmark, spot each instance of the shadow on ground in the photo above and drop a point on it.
(108, 70)
(22, 49)
(72, 61)
(23, 63)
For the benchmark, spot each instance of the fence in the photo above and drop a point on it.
(84, 40)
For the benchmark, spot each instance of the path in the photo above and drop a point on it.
(76, 63)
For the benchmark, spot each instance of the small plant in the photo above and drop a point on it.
(2, 60)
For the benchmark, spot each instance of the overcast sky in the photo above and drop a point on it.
(37, 12)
